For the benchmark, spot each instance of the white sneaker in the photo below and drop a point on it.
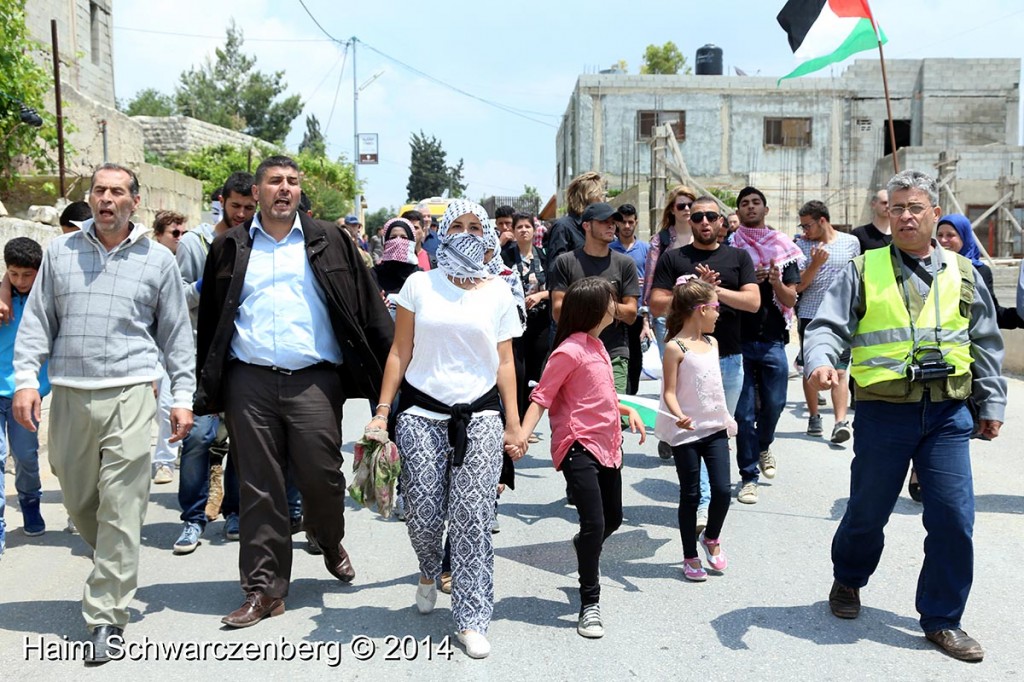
(426, 597)
(702, 521)
(476, 644)
(399, 507)
(767, 462)
(163, 474)
(590, 624)
(748, 493)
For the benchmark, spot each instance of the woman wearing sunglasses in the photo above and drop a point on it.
(168, 227)
(674, 232)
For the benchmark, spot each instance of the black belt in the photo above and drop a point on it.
(289, 372)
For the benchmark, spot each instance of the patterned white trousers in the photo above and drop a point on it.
(435, 492)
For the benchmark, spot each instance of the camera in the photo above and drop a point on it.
(929, 370)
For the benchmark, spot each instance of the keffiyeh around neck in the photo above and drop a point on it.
(766, 247)
(461, 255)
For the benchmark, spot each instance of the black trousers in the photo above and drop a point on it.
(714, 450)
(531, 349)
(597, 492)
(636, 356)
(284, 427)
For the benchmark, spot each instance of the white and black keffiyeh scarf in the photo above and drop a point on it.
(461, 256)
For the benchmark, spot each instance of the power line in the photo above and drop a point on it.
(338, 88)
(219, 37)
(515, 112)
(322, 29)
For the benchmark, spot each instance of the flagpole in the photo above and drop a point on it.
(888, 102)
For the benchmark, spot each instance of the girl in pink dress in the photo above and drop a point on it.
(692, 392)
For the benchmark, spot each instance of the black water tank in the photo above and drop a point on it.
(709, 60)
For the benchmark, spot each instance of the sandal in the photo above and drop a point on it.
(717, 562)
(693, 571)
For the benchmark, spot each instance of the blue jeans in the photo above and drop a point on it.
(194, 473)
(24, 445)
(731, 367)
(765, 363)
(659, 329)
(887, 438)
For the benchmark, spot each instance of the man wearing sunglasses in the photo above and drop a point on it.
(731, 271)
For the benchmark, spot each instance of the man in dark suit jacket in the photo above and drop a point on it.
(290, 324)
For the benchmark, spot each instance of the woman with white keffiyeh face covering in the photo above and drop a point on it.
(452, 359)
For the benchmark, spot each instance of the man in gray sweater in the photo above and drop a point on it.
(107, 300)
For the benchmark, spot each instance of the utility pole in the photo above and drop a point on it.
(355, 130)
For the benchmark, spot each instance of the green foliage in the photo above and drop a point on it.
(331, 185)
(149, 102)
(212, 165)
(429, 176)
(313, 139)
(612, 193)
(666, 59)
(531, 194)
(376, 219)
(22, 79)
(228, 92)
(726, 196)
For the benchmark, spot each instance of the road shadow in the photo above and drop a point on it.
(815, 623)
(623, 558)
(540, 612)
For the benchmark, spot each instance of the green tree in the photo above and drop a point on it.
(665, 59)
(22, 81)
(228, 92)
(428, 174)
(456, 187)
(530, 193)
(330, 185)
(376, 219)
(313, 139)
(149, 102)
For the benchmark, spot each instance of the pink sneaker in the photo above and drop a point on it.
(693, 571)
(717, 562)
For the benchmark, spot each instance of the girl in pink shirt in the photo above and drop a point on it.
(586, 439)
(692, 391)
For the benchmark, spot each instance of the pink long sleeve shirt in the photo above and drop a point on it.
(578, 391)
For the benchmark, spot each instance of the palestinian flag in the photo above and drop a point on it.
(823, 32)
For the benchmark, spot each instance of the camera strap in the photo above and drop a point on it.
(908, 265)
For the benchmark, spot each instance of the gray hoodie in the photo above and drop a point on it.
(102, 317)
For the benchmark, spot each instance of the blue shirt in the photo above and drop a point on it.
(638, 252)
(8, 332)
(282, 318)
(431, 242)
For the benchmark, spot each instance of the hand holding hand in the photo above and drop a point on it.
(706, 274)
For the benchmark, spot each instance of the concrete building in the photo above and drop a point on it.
(98, 131)
(806, 138)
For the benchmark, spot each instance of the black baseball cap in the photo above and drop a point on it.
(600, 211)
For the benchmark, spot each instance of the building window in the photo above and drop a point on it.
(787, 132)
(864, 124)
(647, 120)
(94, 33)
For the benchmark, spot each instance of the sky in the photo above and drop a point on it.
(521, 56)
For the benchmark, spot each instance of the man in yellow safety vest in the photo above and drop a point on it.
(922, 328)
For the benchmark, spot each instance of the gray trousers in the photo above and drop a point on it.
(435, 492)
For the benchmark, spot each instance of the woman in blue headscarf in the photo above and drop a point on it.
(954, 233)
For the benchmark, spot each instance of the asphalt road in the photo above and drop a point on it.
(766, 618)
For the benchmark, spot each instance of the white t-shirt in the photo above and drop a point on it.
(456, 337)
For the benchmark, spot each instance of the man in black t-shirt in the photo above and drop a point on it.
(877, 233)
(763, 336)
(732, 272)
(596, 259)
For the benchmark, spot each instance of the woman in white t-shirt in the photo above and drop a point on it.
(452, 360)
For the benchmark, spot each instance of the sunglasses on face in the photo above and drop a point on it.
(176, 232)
(684, 205)
(699, 216)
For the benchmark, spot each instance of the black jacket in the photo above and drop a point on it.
(359, 319)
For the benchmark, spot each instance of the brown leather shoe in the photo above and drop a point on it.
(844, 601)
(257, 606)
(957, 644)
(339, 565)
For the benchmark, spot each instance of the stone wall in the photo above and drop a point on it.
(86, 45)
(166, 135)
(162, 189)
(16, 227)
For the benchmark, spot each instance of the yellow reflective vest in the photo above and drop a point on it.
(884, 342)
